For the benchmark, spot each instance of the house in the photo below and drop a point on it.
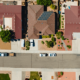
(10, 18)
(40, 22)
(72, 22)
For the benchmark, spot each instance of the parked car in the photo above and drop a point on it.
(52, 54)
(11, 54)
(22, 43)
(43, 54)
(6, 54)
(2, 54)
(31, 42)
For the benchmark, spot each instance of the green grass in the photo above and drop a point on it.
(34, 75)
(4, 77)
(60, 22)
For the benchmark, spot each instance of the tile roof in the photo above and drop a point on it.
(13, 11)
(36, 24)
(72, 21)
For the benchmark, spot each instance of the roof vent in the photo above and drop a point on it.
(79, 22)
(41, 23)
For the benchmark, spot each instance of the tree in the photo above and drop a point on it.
(52, 39)
(5, 35)
(52, 6)
(44, 2)
(49, 44)
(62, 38)
(58, 35)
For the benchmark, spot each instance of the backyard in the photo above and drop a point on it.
(34, 76)
(4, 77)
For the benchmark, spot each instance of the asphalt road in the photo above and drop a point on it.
(34, 61)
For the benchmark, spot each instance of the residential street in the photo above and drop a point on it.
(34, 61)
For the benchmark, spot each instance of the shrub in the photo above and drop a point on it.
(27, 43)
(52, 39)
(59, 76)
(63, 18)
(52, 35)
(49, 44)
(61, 73)
(44, 2)
(27, 47)
(68, 41)
(62, 26)
(42, 42)
(61, 43)
(58, 41)
(52, 6)
(48, 36)
(54, 43)
(58, 35)
(69, 46)
(62, 38)
(43, 36)
(46, 41)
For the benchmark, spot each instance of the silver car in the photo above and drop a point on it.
(52, 54)
(42, 54)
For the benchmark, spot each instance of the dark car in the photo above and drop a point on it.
(6, 54)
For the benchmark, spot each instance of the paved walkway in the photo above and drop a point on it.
(64, 45)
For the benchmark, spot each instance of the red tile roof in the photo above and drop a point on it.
(35, 26)
(13, 11)
(72, 21)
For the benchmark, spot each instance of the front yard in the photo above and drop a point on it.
(4, 77)
(5, 45)
(34, 76)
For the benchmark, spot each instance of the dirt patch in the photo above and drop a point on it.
(4, 45)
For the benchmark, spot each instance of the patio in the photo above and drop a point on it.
(66, 5)
(68, 76)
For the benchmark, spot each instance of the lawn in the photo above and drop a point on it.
(34, 75)
(4, 77)
(60, 21)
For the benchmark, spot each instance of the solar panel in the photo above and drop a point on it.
(45, 15)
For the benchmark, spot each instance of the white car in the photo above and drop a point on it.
(2, 54)
(31, 44)
(42, 55)
(22, 42)
(31, 40)
(52, 54)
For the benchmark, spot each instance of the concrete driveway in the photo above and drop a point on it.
(16, 45)
(76, 45)
(35, 45)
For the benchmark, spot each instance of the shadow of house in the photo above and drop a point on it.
(12, 34)
(24, 19)
(56, 22)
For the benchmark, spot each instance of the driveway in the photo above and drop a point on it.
(35, 45)
(76, 45)
(16, 45)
